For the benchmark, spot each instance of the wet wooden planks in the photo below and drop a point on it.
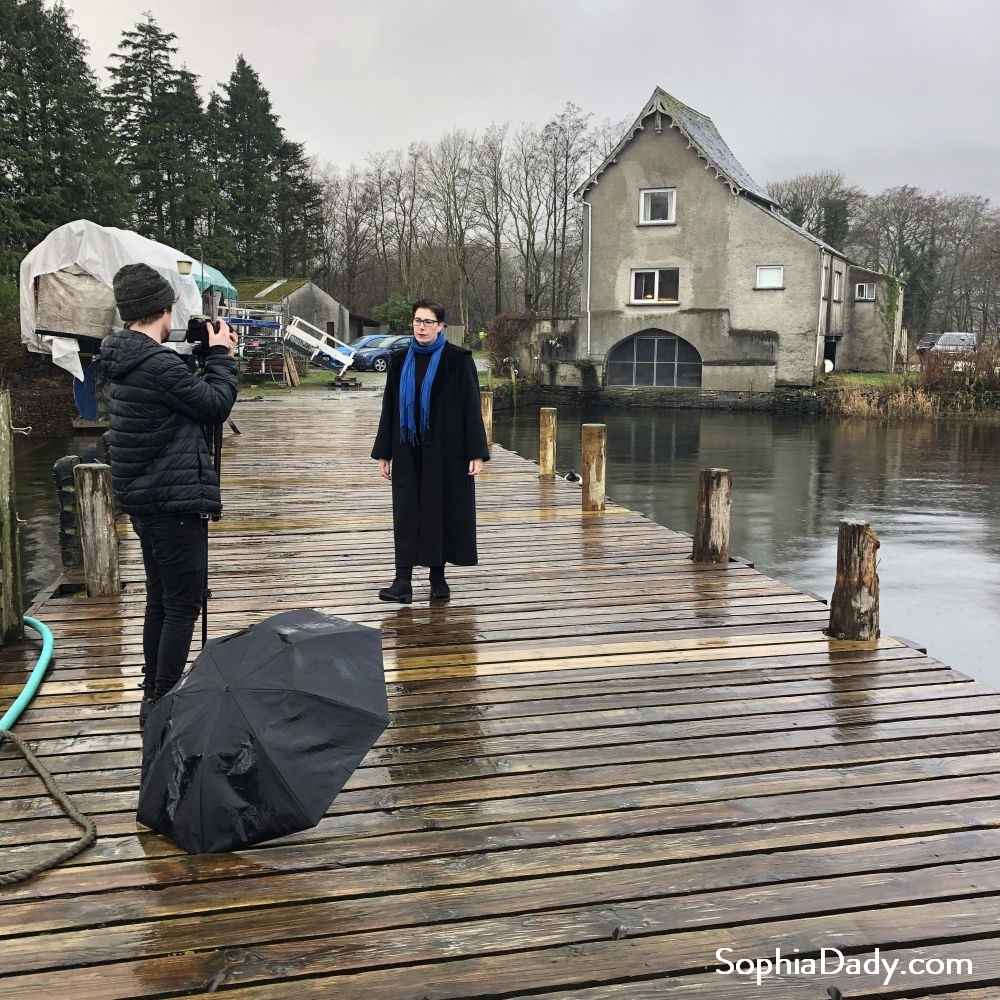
(604, 765)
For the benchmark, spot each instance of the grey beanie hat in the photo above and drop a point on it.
(141, 291)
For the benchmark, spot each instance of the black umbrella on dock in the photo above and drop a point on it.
(259, 737)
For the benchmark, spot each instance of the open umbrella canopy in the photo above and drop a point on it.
(259, 737)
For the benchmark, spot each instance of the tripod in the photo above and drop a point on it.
(216, 449)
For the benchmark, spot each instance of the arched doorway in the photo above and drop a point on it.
(654, 358)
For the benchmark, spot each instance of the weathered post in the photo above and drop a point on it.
(711, 524)
(95, 504)
(486, 405)
(11, 623)
(594, 446)
(854, 605)
(547, 442)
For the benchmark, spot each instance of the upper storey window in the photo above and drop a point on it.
(656, 206)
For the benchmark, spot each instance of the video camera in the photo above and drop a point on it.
(196, 334)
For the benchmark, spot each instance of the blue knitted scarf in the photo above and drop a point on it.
(408, 428)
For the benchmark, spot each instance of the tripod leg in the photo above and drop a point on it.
(217, 464)
(206, 593)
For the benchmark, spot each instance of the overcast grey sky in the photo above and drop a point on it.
(887, 91)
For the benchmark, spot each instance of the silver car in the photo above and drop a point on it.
(955, 343)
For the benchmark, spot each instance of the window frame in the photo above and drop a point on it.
(838, 285)
(780, 268)
(655, 300)
(672, 220)
(865, 297)
(658, 359)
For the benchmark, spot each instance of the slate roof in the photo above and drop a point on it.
(701, 134)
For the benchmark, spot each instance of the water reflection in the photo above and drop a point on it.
(929, 490)
(436, 653)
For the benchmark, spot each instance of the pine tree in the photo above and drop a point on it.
(218, 242)
(159, 126)
(253, 143)
(298, 211)
(56, 163)
(192, 192)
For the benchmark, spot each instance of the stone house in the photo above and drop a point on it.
(692, 277)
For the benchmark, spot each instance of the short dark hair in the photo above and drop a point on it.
(435, 307)
(144, 320)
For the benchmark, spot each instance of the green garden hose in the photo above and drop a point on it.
(29, 689)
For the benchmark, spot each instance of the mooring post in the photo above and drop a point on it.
(711, 523)
(11, 623)
(547, 442)
(854, 605)
(594, 446)
(69, 522)
(486, 405)
(95, 504)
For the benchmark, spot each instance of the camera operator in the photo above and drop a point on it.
(161, 418)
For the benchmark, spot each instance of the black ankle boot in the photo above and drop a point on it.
(400, 591)
(440, 591)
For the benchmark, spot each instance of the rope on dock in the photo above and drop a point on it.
(84, 822)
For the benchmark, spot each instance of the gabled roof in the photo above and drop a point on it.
(701, 135)
(266, 290)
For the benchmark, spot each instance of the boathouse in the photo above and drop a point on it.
(694, 279)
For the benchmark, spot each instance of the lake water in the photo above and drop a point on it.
(930, 490)
(37, 506)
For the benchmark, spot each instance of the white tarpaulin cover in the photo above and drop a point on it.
(66, 284)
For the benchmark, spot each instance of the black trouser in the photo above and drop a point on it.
(175, 557)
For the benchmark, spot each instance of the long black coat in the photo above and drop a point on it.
(433, 495)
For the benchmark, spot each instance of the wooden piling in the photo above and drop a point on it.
(594, 442)
(547, 442)
(98, 538)
(486, 405)
(711, 526)
(11, 623)
(854, 605)
(69, 524)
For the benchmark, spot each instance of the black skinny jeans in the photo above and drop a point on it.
(175, 556)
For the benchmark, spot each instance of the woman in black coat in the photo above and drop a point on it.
(431, 444)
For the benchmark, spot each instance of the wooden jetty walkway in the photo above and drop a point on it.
(605, 764)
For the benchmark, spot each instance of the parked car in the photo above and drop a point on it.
(369, 340)
(376, 359)
(955, 343)
(926, 342)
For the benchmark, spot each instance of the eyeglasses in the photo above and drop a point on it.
(425, 322)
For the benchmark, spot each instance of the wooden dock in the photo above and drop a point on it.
(605, 764)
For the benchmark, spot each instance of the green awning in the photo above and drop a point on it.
(214, 280)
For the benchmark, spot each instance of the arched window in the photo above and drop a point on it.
(655, 358)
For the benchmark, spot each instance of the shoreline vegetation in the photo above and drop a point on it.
(936, 388)
(938, 385)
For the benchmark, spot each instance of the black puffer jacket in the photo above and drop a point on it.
(161, 415)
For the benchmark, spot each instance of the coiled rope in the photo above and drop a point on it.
(9, 718)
